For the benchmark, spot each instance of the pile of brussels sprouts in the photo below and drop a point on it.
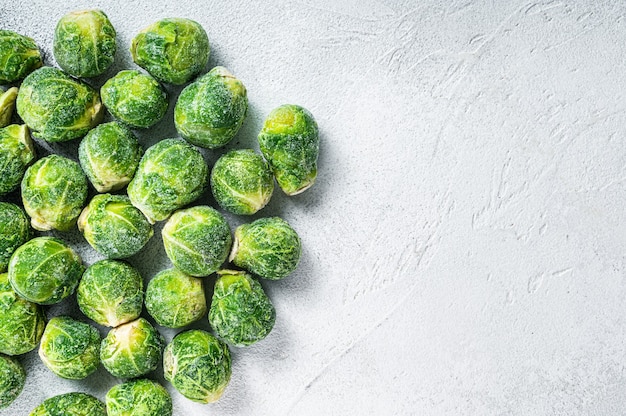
(132, 190)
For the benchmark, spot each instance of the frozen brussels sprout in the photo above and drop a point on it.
(109, 154)
(290, 142)
(241, 313)
(175, 299)
(134, 98)
(210, 111)
(114, 227)
(69, 348)
(172, 50)
(171, 174)
(54, 191)
(45, 270)
(21, 322)
(57, 107)
(198, 365)
(12, 379)
(70, 404)
(16, 153)
(141, 397)
(132, 349)
(14, 231)
(19, 56)
(7, 105)
(84, 43)
(197, 240)
(242, 182)
(267, 247)
(110, 293)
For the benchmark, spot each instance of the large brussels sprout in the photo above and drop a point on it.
(132, 349)
(54, 191)
(7, 105)
(109, 154)
(198, 365)
(134, 98)
(141, 397)
(70, 404)
(172, 50)
(84, 43)
(197, 240)
(242, 182)
(290, 142)
(69, 348)
(12, 379)
(16, 153)
(175, 299)
(21, 322)
(114, 227)
(110, 293)
(14, 231)
(210, 111)
(171, 174)
(267, 247)
(19, 56)
(45, 270)
(56, 107)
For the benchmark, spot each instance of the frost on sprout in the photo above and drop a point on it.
(74, 404)
(141, 397)
(16, 153)
(19, 56)
(14, 231)
(12, 379)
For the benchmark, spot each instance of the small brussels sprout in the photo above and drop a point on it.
(109, 154)
(21, 322)
(19, 56)
(241, 313)
(70, 404)
(14, 231)
(198, 365)
(69, 348)
(45, 270)
(267, 247)
(134, 98)
(110, 293)
(12, 379)
(16, 153)
(175, 299)
(54, 191)
(172, 50)
(7, 105)
(171, 174)
(132, 349)
(114, 227)
(84, 43)
(290, 142)
(56, 107)
(197, 240)
(242, 182)
(141, 397)
(210, 111)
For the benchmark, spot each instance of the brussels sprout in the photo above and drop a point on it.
(56, 107)
(84, 43)
(174, 299)
(110, 293)
(7, 105)
(210, 111)
(242, 182)
(54, 191)
(45, 270)
(14, 231)
(69, 348)
(134, 98)
(171, 174)
(197, 240)
(267, 247)
(172, 50)
(132, 349)
(16, 153)
(290, 143)
(198, 365)
(241, 313)
(12, 379)
(19, 56)
(70, 404)
(141, 397)
(114, 227)
(109, 154)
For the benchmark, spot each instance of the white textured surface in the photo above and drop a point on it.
(464, 249)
